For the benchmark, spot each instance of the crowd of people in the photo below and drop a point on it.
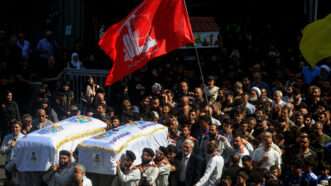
(261, 118)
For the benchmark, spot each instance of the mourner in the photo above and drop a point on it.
(127, 174)
(61, 174)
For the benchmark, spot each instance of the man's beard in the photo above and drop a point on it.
(63, 165)
(143, 161)
(253, 99)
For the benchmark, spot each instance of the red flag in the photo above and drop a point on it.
(152, 29)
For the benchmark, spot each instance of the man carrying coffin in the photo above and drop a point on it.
(126, 174)
(148, 170)
(59, 175)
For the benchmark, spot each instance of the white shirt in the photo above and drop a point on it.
(274, 157)
(87, 181)
(213, 172)
(250, 148)
(164, 172)
(274, 146)
(151, 173)
(242, 154)
(130, 179)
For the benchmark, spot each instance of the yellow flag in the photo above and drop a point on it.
(315, 44)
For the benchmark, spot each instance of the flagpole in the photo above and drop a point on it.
(199, 63)
(201, 73)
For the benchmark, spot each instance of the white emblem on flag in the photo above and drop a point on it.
(132, 46)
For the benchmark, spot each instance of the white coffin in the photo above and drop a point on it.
(38, 150)
(99, 154)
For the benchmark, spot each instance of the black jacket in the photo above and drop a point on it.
(195, 168)
(9, 111)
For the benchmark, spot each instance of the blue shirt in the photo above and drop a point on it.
(310, 178)
(309, 74)
(46, 48)
(25, 48)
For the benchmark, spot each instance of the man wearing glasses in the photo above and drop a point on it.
(27, 124)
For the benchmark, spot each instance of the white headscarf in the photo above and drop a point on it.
(257, 90)
(76, 64)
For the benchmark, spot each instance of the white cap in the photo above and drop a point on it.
(257, 90)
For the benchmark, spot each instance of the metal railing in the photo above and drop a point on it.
(78, 80)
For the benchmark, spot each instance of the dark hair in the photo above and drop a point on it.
(65, 153)
(325, 166)
(14, 122)
(149, 151)
(27, 116)
(171, 149)
(187, 126)
(7, 92)
(130, 155)
(66, 83)
(100, 90)
(274, 167)
(246, 158)
(163, 149)
(114, 117)
(309, 115)
(205, 118)
(212, 145)
(104, 106)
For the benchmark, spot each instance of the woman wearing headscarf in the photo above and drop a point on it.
(75, 62)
